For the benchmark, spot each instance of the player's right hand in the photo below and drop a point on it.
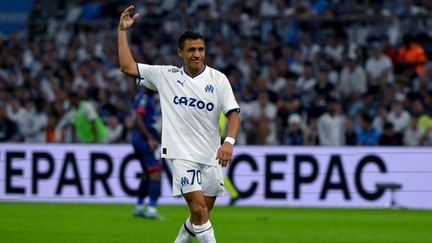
(126, 20)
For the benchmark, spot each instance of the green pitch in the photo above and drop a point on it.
(47, 222)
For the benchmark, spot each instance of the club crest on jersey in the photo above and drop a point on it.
(209, 88)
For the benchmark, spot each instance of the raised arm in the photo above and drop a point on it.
(126, 60)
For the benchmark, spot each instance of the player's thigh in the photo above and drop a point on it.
(212, 181)
(187, 176)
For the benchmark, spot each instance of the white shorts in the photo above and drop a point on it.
(189, 176)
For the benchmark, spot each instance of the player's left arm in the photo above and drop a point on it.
(225, 152)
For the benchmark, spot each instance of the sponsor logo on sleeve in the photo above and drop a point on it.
(175, 70)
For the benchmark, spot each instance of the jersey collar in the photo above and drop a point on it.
(184, 70)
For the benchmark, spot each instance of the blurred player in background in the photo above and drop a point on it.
(145, 142)
(192, 98)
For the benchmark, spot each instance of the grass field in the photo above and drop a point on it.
(49, 222)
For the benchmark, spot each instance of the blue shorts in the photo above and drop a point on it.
(145, 155)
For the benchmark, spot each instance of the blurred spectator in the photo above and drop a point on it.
(8, 128)
(91, 10)
(426, 138)
(423, 82)
(291, 105)
(89, 127)
(409, 8)
(352, 79)
(381, 118)
(334, 48)
(296, 63)
(105, 107)
(294, 135)
(378, 67)
(323, 88)
(350, 133)
(425, 119)
(390, 137)
(269, 8)
(367, 135)
(411, 55)
(15, 110)
(331, 124)
(308, 47)
(114, 130)
(306, 83)
(37, 22)
(311, 137)
(399, 117)
(262, 117)
(50, 131)
(126, 135)
(412, 134)
(122, 107)
(33, 122)
(244, 114)
(389, 50)
(415, 107)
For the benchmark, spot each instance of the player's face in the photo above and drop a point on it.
(193, 54)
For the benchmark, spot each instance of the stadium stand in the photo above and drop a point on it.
(284, 59)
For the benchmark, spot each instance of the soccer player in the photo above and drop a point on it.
(192, 98)
(145, 142)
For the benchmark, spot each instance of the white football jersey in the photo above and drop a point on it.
(190, 110)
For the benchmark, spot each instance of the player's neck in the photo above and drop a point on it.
(193, 72)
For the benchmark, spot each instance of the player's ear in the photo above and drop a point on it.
(179, 52)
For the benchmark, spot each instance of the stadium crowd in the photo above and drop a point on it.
(317, 72)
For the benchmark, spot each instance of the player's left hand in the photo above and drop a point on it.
(224, 154)
(126, 20)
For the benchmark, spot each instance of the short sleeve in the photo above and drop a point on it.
(148, 75)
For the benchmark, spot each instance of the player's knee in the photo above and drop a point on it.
(199, 209)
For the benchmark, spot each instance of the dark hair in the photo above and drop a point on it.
(73, 95)
(407, 39)
(332, 99)
(365, 116)
(188, 35)
(388, 125)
